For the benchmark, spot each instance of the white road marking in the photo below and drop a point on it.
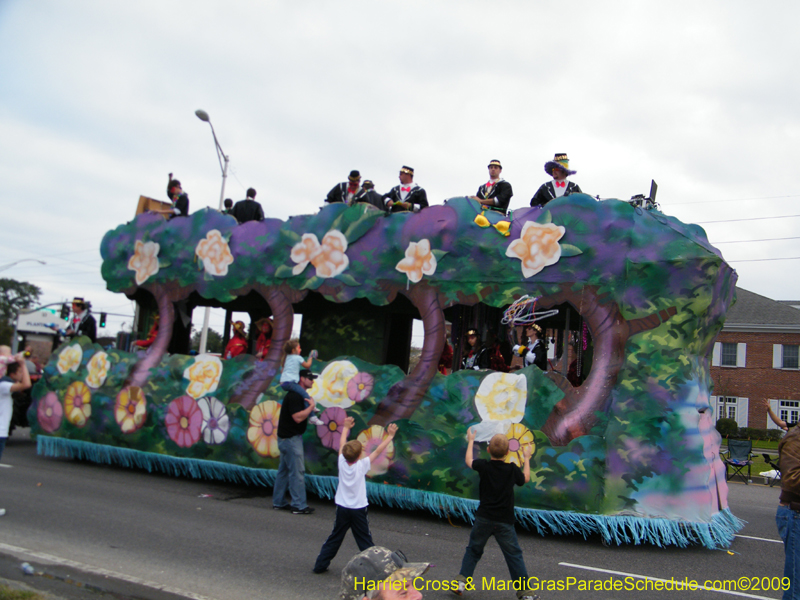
(750, 537)
(17, 551)
(649, 578)
(5, 466)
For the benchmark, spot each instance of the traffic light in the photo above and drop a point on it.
(64, 311)
(102, 319)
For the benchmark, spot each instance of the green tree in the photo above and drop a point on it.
(14, 296)
(213, 343)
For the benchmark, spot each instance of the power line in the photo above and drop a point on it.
(750, 219)
(733, 200)
(763, 259)
(764, 240)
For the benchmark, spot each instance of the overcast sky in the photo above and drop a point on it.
(97, 104)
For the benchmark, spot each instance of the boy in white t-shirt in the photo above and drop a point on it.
(351, 495)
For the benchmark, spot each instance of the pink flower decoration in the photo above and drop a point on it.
(360, 386)
(330, 432)
(184, 420)
(49, 412)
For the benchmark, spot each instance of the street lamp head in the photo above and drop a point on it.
(202, 115)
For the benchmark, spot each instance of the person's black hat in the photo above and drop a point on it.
(354, 175)
(368, 185)
(405, 169)
(495, 163)
(307, 374)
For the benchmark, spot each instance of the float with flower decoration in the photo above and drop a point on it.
(631, 452)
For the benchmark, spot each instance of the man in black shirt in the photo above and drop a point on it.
(291, 469)
(495, 514)
(248, 209)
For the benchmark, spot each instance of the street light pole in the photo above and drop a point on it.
(222, 158)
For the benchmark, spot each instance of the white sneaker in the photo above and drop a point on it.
(2, 511)
(529, 597)
(315, 420)
(459, 591)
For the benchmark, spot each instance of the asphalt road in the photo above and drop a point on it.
(94, 531)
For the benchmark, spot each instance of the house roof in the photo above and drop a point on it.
(753, 312)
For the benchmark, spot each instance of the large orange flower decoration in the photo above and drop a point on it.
(213, 250)
(303, 251)
(331, 259)
(419, 261)
(144, 260)
(537, 247)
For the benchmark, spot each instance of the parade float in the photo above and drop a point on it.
(631, 452)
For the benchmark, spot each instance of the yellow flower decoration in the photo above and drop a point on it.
(370, 439)
(263, 430)
(537, 247)
(69, 359)
(203, 375)
(78, 403)
(144, 260)
(215, 253)
(518, 436)
(98, 370)
(419, 261)
(130, 409)
(330, 388)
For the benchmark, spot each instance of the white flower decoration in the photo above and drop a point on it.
(69, 359)
(330, 388)
(500, 400)
(98, 370)
(216, 422)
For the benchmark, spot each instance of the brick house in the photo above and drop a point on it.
(756, 358)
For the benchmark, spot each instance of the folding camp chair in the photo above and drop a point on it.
(768, 458)
(740, 453)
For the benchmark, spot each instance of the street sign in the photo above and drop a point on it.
(37, 321)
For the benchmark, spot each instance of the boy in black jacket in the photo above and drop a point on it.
(495, 515)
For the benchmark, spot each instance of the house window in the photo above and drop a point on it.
(789, 411)
(790, 357)
(727, 407)
(728, 355)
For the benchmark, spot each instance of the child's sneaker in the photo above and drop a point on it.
(529, 597)
(459, 591)
(315, 420)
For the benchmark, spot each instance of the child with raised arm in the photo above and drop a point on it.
(495, 514)
(351, 495)
(292, 362)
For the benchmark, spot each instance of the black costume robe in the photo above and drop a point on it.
(547, 192)
(417, 197)
(500, 192)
